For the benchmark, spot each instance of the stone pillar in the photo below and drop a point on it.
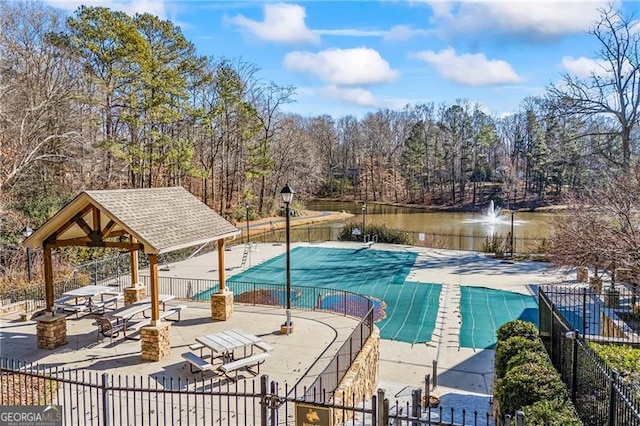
(52, 331)
(133, 294)
(222, 306)
(156, 341)
(583, 274)
(595, 285)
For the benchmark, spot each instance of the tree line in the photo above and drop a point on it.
(101, 99)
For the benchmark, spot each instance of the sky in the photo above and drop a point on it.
(353, 57)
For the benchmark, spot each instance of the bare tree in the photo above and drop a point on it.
(38, 116)
(602, 228)
(614, 88)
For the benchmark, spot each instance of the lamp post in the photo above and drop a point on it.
(513, 212)
(26, 232)
(364, 215)
(287, 197)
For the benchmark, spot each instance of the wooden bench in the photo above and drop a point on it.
(248, 362)
(263, 346)
(196, 362)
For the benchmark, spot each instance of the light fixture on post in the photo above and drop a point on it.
(364, 215)
(26, 232)
(513, 212)
(287, 197)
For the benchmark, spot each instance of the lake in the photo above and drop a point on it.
(470, 229)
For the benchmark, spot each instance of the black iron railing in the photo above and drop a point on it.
(92, 398)
(601, 396)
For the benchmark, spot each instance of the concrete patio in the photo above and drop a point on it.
(464, 375)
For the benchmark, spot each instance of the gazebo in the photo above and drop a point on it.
(155, 221)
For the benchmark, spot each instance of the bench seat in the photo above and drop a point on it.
(103, 304)
(248, 362)
(172, 310)
(196, 362)
(263, 346)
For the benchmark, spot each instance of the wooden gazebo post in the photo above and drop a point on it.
(51, 328)
(136, 291)
(222, 301)
(155, 338)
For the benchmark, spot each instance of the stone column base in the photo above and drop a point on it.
(283, 329)
(133, 294)
(582, 274)
(156, 341)
(52, 331)
(222, 306)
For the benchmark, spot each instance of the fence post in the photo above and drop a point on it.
(427, 392)
(264, 412)
(105, 400)
(574, 367)
(584, 312)
(382, 419)
(434, 374)
(507, 420)
(519, 418)
(612, 398)
(416, 409)
(551, 322)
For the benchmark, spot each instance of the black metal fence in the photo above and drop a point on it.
(601, 396)
(92, 398)
(32, 298)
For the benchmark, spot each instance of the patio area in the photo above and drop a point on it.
(317, 338)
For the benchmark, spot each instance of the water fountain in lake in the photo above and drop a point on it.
(493, 214)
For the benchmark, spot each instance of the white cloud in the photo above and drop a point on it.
(354, 95)
(403, 32)
(585, 67)
(347, 32)
(283, 23)
(343, 66)
(469, 69)
(130, 7)
(396, 33)
(536, 19)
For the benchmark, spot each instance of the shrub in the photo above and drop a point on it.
(527, 384)
(494, 244)
(527, 358)
(517, 328)
(551, 413)
(507, 349)
(385, 234)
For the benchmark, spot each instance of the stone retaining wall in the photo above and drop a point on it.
(361, 381)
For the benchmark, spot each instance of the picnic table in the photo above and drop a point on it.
(127, 313)
(225, 343)
(88, 293)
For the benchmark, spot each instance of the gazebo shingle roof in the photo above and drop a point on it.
(163, 219)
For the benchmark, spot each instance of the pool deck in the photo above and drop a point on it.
(464, 375)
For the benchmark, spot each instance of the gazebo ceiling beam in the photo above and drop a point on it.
(83, 242)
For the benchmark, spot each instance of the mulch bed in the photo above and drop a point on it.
(21, 389)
